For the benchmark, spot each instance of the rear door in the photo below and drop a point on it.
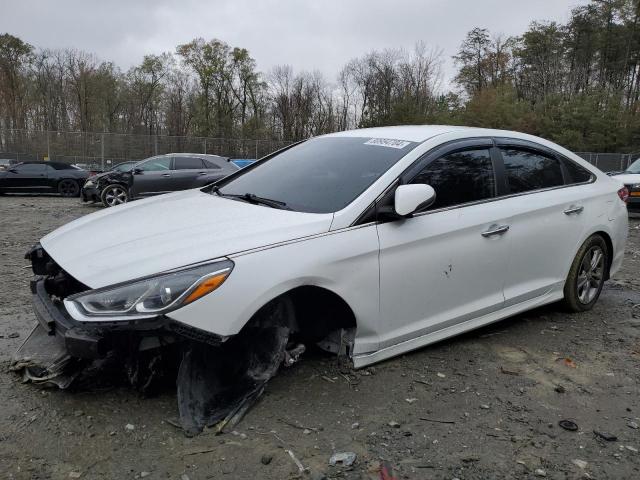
(186, 171)
(547, 218)
(447, 264)
(153, 176)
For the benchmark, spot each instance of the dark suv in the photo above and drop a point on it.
(155, 175)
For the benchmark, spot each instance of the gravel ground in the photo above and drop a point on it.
(483, 405)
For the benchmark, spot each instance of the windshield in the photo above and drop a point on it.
(634, 167)
(321, 175)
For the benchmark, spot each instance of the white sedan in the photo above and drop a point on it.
(369, 243)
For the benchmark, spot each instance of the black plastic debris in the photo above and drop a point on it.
(217, 386)
(568, 425)
(609, 437)
(43, 360)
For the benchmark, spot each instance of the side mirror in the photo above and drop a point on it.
(13, 170)
(136, 171)
(410, 198)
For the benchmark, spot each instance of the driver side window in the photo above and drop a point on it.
(460, 177)
(155, 164)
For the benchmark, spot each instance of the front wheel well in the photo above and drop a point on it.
(317, 312)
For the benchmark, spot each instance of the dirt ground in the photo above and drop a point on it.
(483, 405)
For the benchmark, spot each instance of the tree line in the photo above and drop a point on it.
(576, 83)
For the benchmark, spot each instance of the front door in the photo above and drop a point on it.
(152, 176)
(445, 265)
(26, 177)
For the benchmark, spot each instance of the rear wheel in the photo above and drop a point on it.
(68, 188)
(586, 276)
(113, 195)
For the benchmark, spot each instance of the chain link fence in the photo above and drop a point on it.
(610, 162)
(100, 151)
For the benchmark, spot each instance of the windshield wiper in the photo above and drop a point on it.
(253, 198)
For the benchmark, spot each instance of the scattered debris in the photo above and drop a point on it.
(266, 459)
(633, 425)
(580, 463)
(441, 375)
(355, 425)
(538, 472)
(568, 425)
(75, 474)
(609, 437)
(393, 424)
(13, 335)
(484, 406)
(343, 458)
(386, 471)
(410, 400)
(144, 474)
(301, 467)
(509, 372)
(559, 389)
(436, 420)
(293, 355)
(567, 362)
(129, 427)
(631, 449)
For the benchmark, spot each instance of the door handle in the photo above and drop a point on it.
(573, 209)
(166, 174)
(495, 230)
(202, 173)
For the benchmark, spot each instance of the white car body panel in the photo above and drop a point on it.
(628, 178)
(409, 283)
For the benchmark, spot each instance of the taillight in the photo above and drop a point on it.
(623, 193)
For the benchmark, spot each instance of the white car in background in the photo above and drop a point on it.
(631, 179)
(369, 242)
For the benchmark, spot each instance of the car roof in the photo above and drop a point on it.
(203, 155)
(422, 133)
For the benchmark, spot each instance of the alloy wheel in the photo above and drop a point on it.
(591, 275)
(115, 196)
(68, 188)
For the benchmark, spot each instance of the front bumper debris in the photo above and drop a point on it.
(218, 379)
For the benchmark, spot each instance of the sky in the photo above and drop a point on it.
(308, 35)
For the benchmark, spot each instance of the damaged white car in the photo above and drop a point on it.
(369, 243)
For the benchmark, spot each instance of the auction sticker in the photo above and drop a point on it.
(387, 142)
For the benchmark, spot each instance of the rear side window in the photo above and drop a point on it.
(187, 163)
(210, 164)
(62, 166)
(526, 170)
(577, 174)
(31, 168)
(460, 177)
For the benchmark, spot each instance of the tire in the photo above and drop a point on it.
(586, 275)
(114, 194)
(68, 188)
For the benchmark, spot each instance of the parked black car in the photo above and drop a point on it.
(43, 177)
(155, 175)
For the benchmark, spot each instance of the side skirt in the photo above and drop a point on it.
(360, 361)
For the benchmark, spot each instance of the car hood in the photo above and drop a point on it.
(170, 231)
(628, 178)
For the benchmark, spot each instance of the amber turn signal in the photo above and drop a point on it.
(206, 286)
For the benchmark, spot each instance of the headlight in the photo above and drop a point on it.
(635, 186)
(88, 183)
(149, 296)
